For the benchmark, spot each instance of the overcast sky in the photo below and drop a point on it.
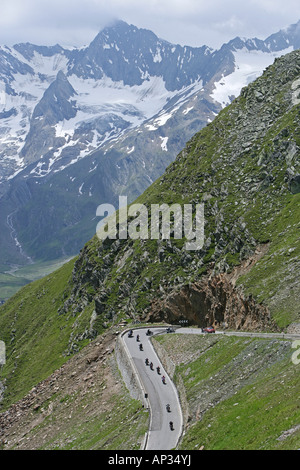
(187, 22)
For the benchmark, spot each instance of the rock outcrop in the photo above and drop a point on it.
(212, 302)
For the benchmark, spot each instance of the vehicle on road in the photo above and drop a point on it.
(168, 408)
(130, 334)
(209, 329)
(147, 361)
(170, 330)
(158, 369)
(141, 347)
(171, 425)
(137, 337)
(149, 332)
(163, 379)
(151, 365)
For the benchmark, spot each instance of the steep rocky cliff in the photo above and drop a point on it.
(213, 301)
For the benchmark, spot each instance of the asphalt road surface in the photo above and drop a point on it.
(160, 436)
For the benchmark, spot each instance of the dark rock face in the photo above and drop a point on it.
(55, 106)
(9, 65)
(126, 53)
(294, 184)
(212, 302)
(215, 300)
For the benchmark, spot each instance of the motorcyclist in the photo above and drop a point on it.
(141, 347)
(168, 408)
(158, 369)
(147, 361)
(137, 337)
(163, 379)
(151, 365)
(171, 425)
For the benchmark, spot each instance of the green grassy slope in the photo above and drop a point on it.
(35, 335)
(242, 393)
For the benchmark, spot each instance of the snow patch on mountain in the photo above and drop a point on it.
(97, 101)
(249, 65)
(296, 90)
(137, 103)
(164, 143)
(187, 110)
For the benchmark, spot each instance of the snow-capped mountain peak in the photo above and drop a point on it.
(126, 74)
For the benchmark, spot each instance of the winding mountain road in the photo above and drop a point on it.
(160, 436)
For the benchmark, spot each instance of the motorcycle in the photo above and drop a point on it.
(163, 379)
(158, 370)
(137, 337)
(151, 365)
(170, 330)
(168, 408)
(130, 334)
(141, 347)
(171, 425)
(149, 333)
(147, 362)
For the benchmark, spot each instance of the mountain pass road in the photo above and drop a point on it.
(160, 436)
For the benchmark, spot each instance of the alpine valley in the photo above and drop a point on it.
(81, 126)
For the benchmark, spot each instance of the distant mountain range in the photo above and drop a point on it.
(79, 127)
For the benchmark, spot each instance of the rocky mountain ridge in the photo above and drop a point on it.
(245, 169)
